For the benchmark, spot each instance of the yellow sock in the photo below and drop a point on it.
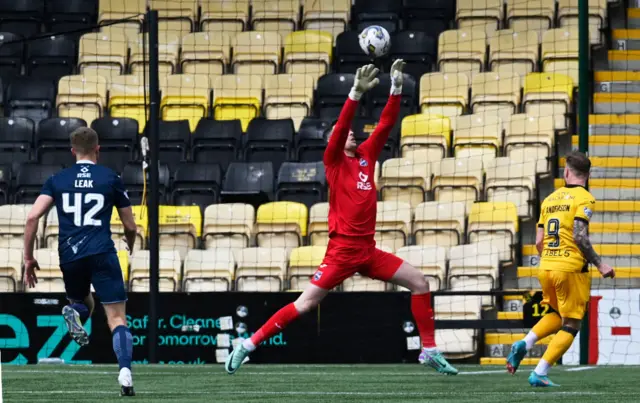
(548, 325)
(559, 345)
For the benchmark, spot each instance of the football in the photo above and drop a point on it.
(375, 41)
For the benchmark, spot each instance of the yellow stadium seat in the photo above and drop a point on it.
(534, 16)
(457, 179)
(142, 224)
(256, 53)
(560, 52)
(439, 223)
(275, 15)
(185, 97)
(430, 132)
(548, 94)
(495, 223)
(513, 52)
(327, 15)
(237, 97)
(129, 31)
(224, 16)
(530, 137)
(169, 271)
(168, 50)
(133, 11)
(228, 225)
(393, 224)
(444, 94)
(479, 14)
(303, 262)
(462, 51)
(261, 269)
(308, 52)
(512, 181)
(180, 227)
(474, 267)
(405, 180)
(176, 16)
(82, 97)
(568, 16)
(496, 93)
(127, 99)
(288, 96)
(205, 53)
(106, 52)
(10, 269)
(209, 270)
(281, 224)
(12, 220)
(123, 259)
(477, 135)
(430, 260)
(49, 275)
(319, 224)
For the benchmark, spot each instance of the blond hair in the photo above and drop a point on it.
(84, 140)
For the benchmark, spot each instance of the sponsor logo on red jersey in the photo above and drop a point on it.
(364, 183)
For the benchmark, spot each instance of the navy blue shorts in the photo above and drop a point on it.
(103, 271)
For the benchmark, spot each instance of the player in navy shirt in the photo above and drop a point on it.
(84, 196)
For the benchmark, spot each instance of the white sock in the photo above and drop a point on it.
(431, 350)
(542, 368)
(248, 344)
(125, 377)
(530, 339)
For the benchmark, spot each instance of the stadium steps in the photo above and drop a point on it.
(610, 167)
(612, 124)
(633, 17)
(609, 81)
(612, 145)
(510, 315)
(503, 361)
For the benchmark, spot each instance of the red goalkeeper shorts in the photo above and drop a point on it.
(347, 256)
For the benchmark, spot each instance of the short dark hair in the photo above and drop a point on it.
(84, 140)
(578, 163)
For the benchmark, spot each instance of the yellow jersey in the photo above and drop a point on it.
(557, 213)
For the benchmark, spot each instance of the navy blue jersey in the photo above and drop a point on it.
(85, 195)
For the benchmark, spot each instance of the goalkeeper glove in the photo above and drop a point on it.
(364, 81)
(396, 77)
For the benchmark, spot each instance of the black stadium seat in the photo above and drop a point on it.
(22, 17)
(52, 140)
(417, 49)
(30, 98)
(11, 55)
(250, 182)
(174, 143)
(331, 93)
(118, 141)
(31, 177)
(5, 183)
(302, 182)
(349, 55)
(311, 139)
(196, 184)
(135, 183)
(385, 13)
(377, 97)
(424, 12)
(269, 140)
(16, 141)
(216, 141)
(69, 15)
(51, 57)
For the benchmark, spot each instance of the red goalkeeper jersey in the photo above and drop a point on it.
(352, 190)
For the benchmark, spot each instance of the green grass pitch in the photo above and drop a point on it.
(316, 383)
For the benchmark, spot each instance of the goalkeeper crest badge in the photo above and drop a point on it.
(588, 212)
(363, 162)
(317, 275)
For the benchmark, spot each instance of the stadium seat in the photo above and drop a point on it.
(495, 222)
(217, 141)
(458, 342)
(597, 9)
(51, 57)
(281, 224)
(10, 269)
(228, 225)
(426, 132)
(205, 53)
(169, 271)
(51, 229)
(308, 52)
(256, 53)
(16, 140)
(288, 96)
(301, 182)
(377, 97)
(530, 137)
(49, 275)
(118, 141)
(52, 140)
(196, 184)
(104, 53)
(127, 99)
(12, 221)
(21, 17)
(349, 56)
(310, 141)
(457, 179)
(485, 15)
(128, 13)
(439, 223)
(534, 16)
(303, 262)
(11, 55)
(209, 270)
(248, 182)
(185, 96)
(140, 214)
(548, 94)
(269, 141)
(328, 15)
(430, 260)
(393, 224)
(168, 50)
(513, 52)
(474, 267)
(405, 180)
(417, 49)
(477, 135)
(444, 94)
(82, 97)
(175, 16)
(319, 224)
(261, 269)
(331, 92)
(180, 228)
(385, 13)
(6, 176)
(70, 15)
(31, 177)
(462, 51)
(429, 16)
(512, 181)
(275, 15)
(237, 97)
(136, 181)
(560, 52)
(224, 16)
(30, 98)
(496, 93)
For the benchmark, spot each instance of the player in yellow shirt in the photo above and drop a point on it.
(565, 252)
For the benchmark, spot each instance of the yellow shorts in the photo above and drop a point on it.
(566, 292)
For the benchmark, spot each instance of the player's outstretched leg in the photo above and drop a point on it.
(549, 324)
(122, 345)
(74, 315)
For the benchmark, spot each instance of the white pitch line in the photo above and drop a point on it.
(579, 369)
